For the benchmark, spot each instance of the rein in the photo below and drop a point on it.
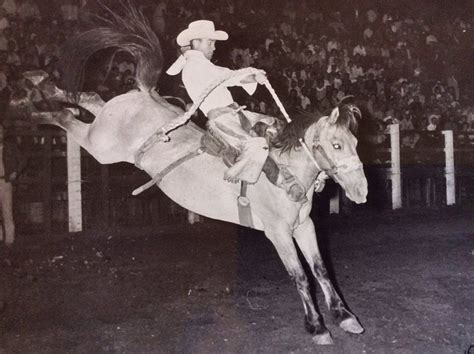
(345, 165)
(322, 174)
(161, 133)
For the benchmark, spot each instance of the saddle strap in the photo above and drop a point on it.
(243, 204)
(160, 175)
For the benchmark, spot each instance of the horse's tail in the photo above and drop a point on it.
(129, 32)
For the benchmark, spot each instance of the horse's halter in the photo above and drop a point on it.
(345, 165)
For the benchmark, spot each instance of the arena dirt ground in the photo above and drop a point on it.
(214, 289)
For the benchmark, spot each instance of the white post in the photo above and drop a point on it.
(449, 167)
(74, 184)
(395, 174)
(334, 202)
(193, 217)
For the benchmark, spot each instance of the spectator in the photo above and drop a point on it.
(407, 122)
(4, 23)
(359, 49)
(9, 6)
(69, 10)
(451, 124)
(159, 18)
(453, 83)
(28, 10)
(305, 101)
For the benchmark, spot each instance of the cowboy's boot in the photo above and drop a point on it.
(282, 177)
(249, 164)
(253, 150)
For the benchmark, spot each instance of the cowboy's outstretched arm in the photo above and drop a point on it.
(259, 78)
(249, 82)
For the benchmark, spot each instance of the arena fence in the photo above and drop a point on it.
(41, 194)
(433, 175)
(418, 169)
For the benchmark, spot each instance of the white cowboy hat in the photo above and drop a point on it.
(200, 29)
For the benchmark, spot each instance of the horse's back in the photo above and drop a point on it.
(127, 121)
(135, 111)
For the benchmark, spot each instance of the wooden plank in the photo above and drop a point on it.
(47, 185)
(74, 185)
(449, 167)
(395, 169)
(105, 196)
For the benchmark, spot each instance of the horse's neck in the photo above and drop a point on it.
(311, 132)
(298, 161)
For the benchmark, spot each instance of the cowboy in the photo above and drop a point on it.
(197, 44)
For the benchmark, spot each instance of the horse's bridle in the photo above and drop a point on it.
(345, 165)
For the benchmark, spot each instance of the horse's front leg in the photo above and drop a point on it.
(283, 242)
(305, 236)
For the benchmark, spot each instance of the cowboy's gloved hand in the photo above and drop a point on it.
(261, 77)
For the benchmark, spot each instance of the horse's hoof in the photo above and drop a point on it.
(351, 325)
(36, 77)
(323, 339)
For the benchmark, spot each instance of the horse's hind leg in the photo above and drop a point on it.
(305, 236)
(90, 101)
(285, 247)
(66, 120)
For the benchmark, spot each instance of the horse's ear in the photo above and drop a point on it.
(355, 111)
(333, 116)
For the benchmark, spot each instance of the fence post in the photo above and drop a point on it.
(449, 167)
(47, 183)
(395, 173)
(193, 218)
(74, 190)
(105, 196)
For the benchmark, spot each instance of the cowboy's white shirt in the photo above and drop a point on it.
(199, 72)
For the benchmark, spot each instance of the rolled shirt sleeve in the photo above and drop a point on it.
(199, 73)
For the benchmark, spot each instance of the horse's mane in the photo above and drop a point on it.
(289, 136)
(291, 132)
(129, 32)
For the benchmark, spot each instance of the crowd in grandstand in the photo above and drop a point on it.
(399, 67)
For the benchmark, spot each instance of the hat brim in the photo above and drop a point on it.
(185, 37)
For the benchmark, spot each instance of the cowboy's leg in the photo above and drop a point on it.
(254, 118)
(253, 150)
(7, 212)
(277, 174)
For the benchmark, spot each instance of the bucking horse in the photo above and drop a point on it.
(125, 129)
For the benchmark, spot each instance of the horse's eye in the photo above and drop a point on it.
(336, 146)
